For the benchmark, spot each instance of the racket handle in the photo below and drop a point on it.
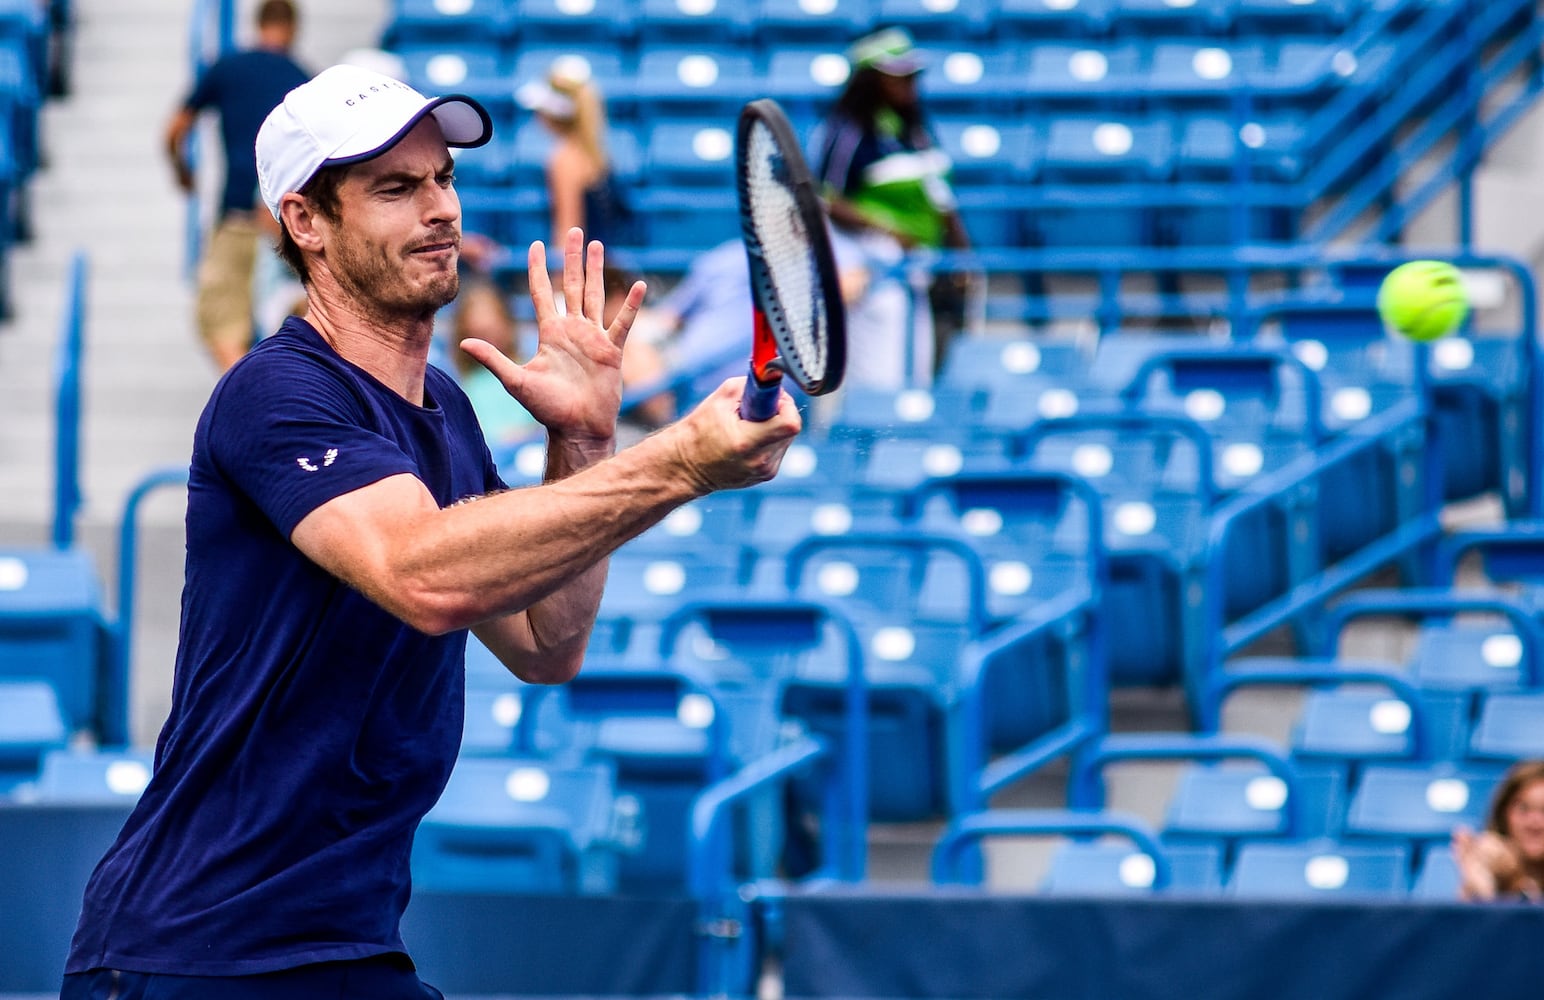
(760, 401)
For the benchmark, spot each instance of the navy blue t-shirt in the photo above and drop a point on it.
(310, 730)
(243, 87)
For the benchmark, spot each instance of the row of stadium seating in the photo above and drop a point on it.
(34, 66)
(784, 20)
(986, 558)
(1056, 143)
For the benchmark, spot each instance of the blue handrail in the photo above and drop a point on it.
(1438, 603)
(1085, 784)
(67, 405)
(128, 551)
(849, 812)
(952, 862)
(1286, 672)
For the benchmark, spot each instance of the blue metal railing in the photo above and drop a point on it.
(953, 860)
(67, 405)
(211, 34)
(128, 554)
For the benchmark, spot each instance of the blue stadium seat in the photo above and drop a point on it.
(1320, 869)
(92, 776)
(53, 628)
(525, 825)
(992, 160)
(1056, 70)
(1097, 158)
(679, 81)
(549, 21)
(901, 464)
(980, 80)
(1414, 805)
(1153, 474)
(600, 62)
(867, 414)
(51, 850)
(678, 21)
(804, 79)
(1436, 878)
(934, 21)
(697, 152)
(1285, 17)
(1209, 147)
(1035, 20)
(1168, 18)
(978, 363)
(1470, 657)
(477, 68)
(783, 520)
(1088, 149)
(30, 727)
(644, 587)
(1231, 804)
(1510, 727)
(669, 735)
(1355, 727)
(441, 22)
(1111, 869)
(811, 22)
(1196, 70)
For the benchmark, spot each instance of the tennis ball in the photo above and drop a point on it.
(1424, 299)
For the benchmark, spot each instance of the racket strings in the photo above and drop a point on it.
(797, 300)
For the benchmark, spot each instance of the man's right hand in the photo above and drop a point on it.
(719, 450)
(186, 180)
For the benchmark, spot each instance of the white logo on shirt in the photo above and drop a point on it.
(327, 459)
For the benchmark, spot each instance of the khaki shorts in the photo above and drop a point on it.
(224, 310)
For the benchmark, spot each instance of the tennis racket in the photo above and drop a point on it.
(800, 326)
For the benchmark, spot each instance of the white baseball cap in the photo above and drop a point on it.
(346, 114)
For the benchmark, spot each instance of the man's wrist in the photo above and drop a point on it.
(568, 453)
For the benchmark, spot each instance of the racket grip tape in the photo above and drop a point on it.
(759, 402)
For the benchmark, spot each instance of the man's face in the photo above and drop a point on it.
(398, 236)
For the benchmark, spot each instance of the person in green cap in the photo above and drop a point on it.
(887, 182)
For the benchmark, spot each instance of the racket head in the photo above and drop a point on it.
(800, 321)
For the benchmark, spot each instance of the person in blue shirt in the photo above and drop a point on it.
(241, 87)
(346, 528)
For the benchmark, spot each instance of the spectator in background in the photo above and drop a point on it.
(887, 182)
(482, 312)
(581, 191)
(701, 329)
(1506, 860)
(242, 87)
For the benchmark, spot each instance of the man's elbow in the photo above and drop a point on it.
(430, 612)
(547, 670)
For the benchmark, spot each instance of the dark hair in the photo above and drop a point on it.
(863, 98)
(1521, 775)
(276, 13)
(322, 192)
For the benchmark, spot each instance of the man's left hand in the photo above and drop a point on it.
(573, 383)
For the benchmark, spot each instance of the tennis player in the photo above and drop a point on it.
(345, 528)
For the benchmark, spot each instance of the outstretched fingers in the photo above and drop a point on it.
(540, 283)
(573, 272)
(496, 361)
(595, 283)
(622, 323)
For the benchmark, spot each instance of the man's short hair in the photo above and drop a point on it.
(277, 13)
(322, 192)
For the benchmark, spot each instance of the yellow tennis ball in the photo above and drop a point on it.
(1424, 299)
